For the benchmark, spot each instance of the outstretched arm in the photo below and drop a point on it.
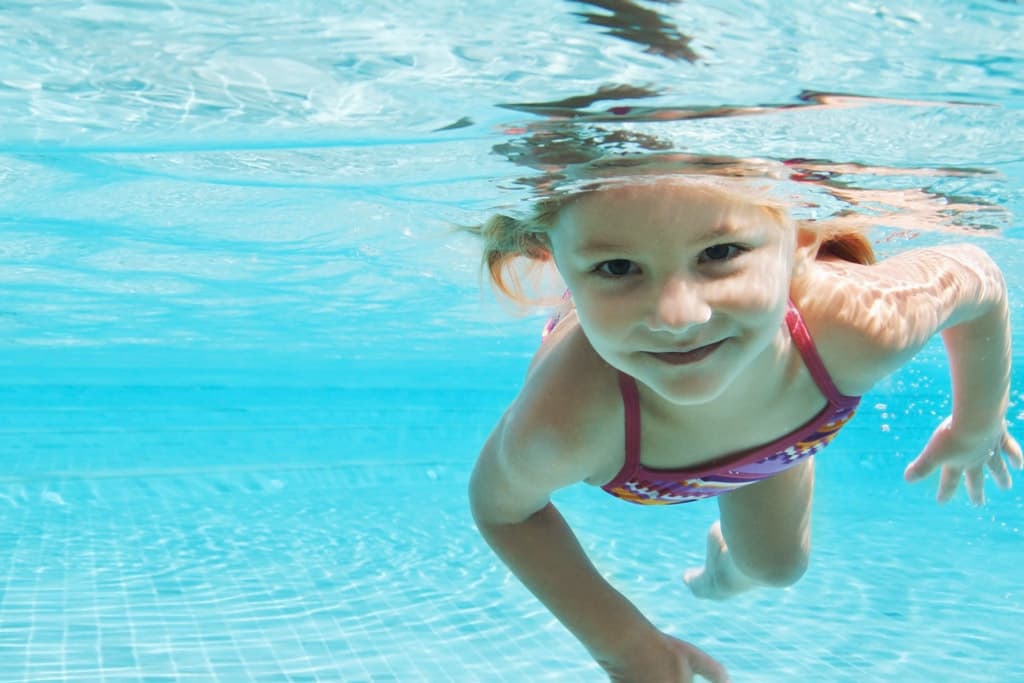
(873, 319)
(514, 516)
(977, 340)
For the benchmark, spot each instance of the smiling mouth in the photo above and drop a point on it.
(686, 357)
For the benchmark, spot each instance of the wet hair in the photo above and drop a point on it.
(845, 244)
(509, 241)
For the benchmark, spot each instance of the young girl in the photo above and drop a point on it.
(710, 348)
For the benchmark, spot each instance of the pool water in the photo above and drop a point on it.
(176, 531)
(247, 366)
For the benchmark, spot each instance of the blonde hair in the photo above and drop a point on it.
(508, 241)
(843, 243)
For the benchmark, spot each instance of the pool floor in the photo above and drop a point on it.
(293, 535)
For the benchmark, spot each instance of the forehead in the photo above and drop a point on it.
(682, 206)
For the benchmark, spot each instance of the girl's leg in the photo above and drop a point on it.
(764, 537)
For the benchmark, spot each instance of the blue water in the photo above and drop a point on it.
(246, 366)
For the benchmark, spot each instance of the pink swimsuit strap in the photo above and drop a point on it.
(812, 361)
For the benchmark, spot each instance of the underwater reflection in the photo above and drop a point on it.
(573, 144)
(636, 24)
(807, 100)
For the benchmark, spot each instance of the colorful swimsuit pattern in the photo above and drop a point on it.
(638, 484)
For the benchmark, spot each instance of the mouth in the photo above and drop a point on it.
(686, 357)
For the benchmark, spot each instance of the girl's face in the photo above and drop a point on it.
(682, 287)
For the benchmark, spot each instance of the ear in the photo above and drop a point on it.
(807, 243)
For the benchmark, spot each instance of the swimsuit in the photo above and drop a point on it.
(638, 484)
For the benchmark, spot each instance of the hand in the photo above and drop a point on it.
(666, 660)
(966, 454)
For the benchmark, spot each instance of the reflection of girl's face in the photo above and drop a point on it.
(680, 286)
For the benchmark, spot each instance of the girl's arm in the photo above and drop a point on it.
(977, 341)
(883, 314)
(509, 498)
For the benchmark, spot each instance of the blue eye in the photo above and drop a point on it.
(721, 252)
(616, 267)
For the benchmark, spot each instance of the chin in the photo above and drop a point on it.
(688, 391)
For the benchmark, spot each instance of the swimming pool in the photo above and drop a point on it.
(246, 366)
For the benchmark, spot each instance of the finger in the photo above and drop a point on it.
(704, 665)
(919, 469)
(1000, 475)
(975, 481)
(1013, 452)
(948, 482)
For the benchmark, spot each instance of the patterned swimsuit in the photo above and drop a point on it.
(638, 484)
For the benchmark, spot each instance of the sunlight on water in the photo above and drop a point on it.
(278, 176)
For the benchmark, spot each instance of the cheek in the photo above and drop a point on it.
(599, 318)
(771, 285)
(591, 316)
(767, 280)
(755, 289)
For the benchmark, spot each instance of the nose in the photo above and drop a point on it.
(680, 303)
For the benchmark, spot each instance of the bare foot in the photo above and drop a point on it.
(718, 579)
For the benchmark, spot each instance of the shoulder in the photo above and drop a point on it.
(566, 401)
(557, 432)
(868, 320)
